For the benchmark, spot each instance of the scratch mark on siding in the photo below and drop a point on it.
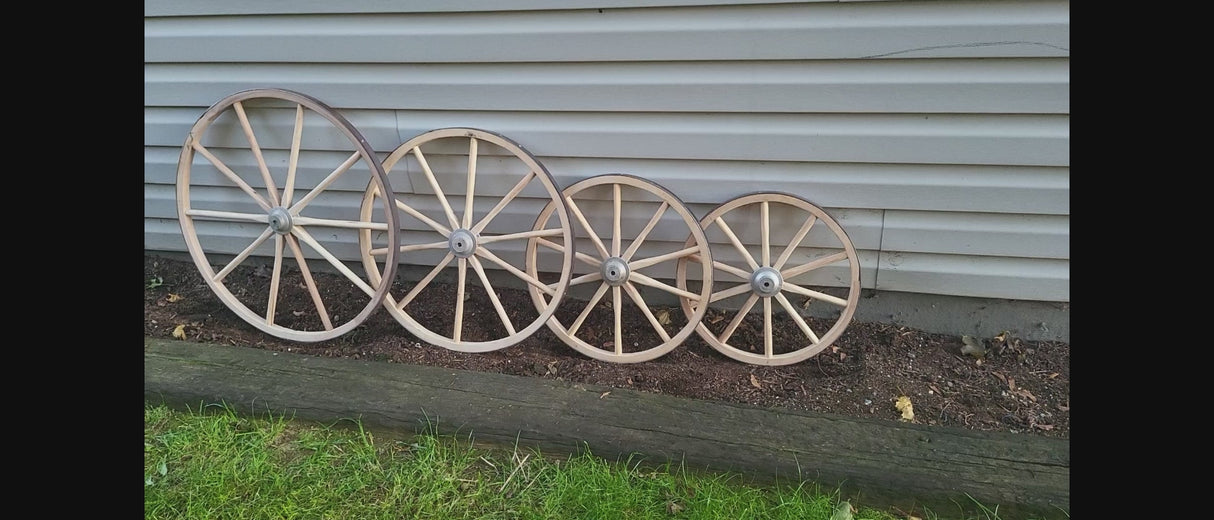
(963, 45)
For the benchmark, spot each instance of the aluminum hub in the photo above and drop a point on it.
(766, 282)
(280, 220)
(463, 243)
(615, 271)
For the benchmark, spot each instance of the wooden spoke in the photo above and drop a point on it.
(654, 260)
(261, 161)
(815, 264)
(310, 282)
(730, 292)
(232, 176)
(717, 264)
(737, 244)
(586, 278)
(653, 221)
(640, 302)
(501, 311)
(206, 214)
(421, 284)
(737, 318)
(796, 316)
(531, 172)
(645, 280)
(347, 224)
(501, 204)
(275, 278)
(585, 258)
(438, 192)
(341, 267)
(618, 309)
(516, 236)
(534, 282)
(337, 173)
(818, 336)
(767, 346)
(458, 329)
(240, 258)
(814, 294)
(471, 190)
(594, 300)
(283, 213)
(442, 230)
(615, 222)
(288, 189)
(796, 239)
(594, 237)
(627, 193)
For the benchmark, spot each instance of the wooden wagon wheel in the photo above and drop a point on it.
(473, 159)
(618, 269)
(824, 260)
(253, 140)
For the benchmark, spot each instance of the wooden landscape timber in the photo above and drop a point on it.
(879, 463)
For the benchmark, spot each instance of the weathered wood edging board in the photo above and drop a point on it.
(881, 462)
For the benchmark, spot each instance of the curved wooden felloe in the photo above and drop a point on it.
(464, 240)
(778, 281)
(287, 224)
(618, 270)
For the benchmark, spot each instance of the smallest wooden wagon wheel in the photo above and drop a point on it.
(255, 203)
(629, 271)
(814, 278)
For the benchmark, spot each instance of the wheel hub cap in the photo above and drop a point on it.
(766, 282)
(615, 271)
(280, 220)
(463, 243)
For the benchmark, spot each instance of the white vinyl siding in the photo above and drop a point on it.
(936, 132)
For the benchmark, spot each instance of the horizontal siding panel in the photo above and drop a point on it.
(169, 127)
(1032, 236)
(982, 189)
(156, 8)
(1024, 86)
(1020, 140)
(832, 30)
(978, 276)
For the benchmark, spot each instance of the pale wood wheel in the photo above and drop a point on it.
(485, 170)
(253, 203)
(806, 275)
(660, 230)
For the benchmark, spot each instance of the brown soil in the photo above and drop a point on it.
(1017, 386)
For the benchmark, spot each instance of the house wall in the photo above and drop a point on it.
(936, 132)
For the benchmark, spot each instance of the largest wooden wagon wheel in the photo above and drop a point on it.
(286, 233)
(617, 267)
(814, 280)
(472, 159)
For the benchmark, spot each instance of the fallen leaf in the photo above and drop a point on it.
(173, 298)
(604, 394)
(664, 317)
(904, 405)
(807, 302)
(1011, 384)
(1046, 427)
(973, 347)
(755, 381)
(179, 332)
(673, 507)
(716, 319)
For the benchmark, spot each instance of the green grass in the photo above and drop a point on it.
(213, 463)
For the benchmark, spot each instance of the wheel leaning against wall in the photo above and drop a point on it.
(817, 268)
(253, 203)
(618, 268)
(484, 166)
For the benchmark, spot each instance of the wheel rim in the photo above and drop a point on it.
(288, 211)
(776, 282)
(433, 227)
(618, 269)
